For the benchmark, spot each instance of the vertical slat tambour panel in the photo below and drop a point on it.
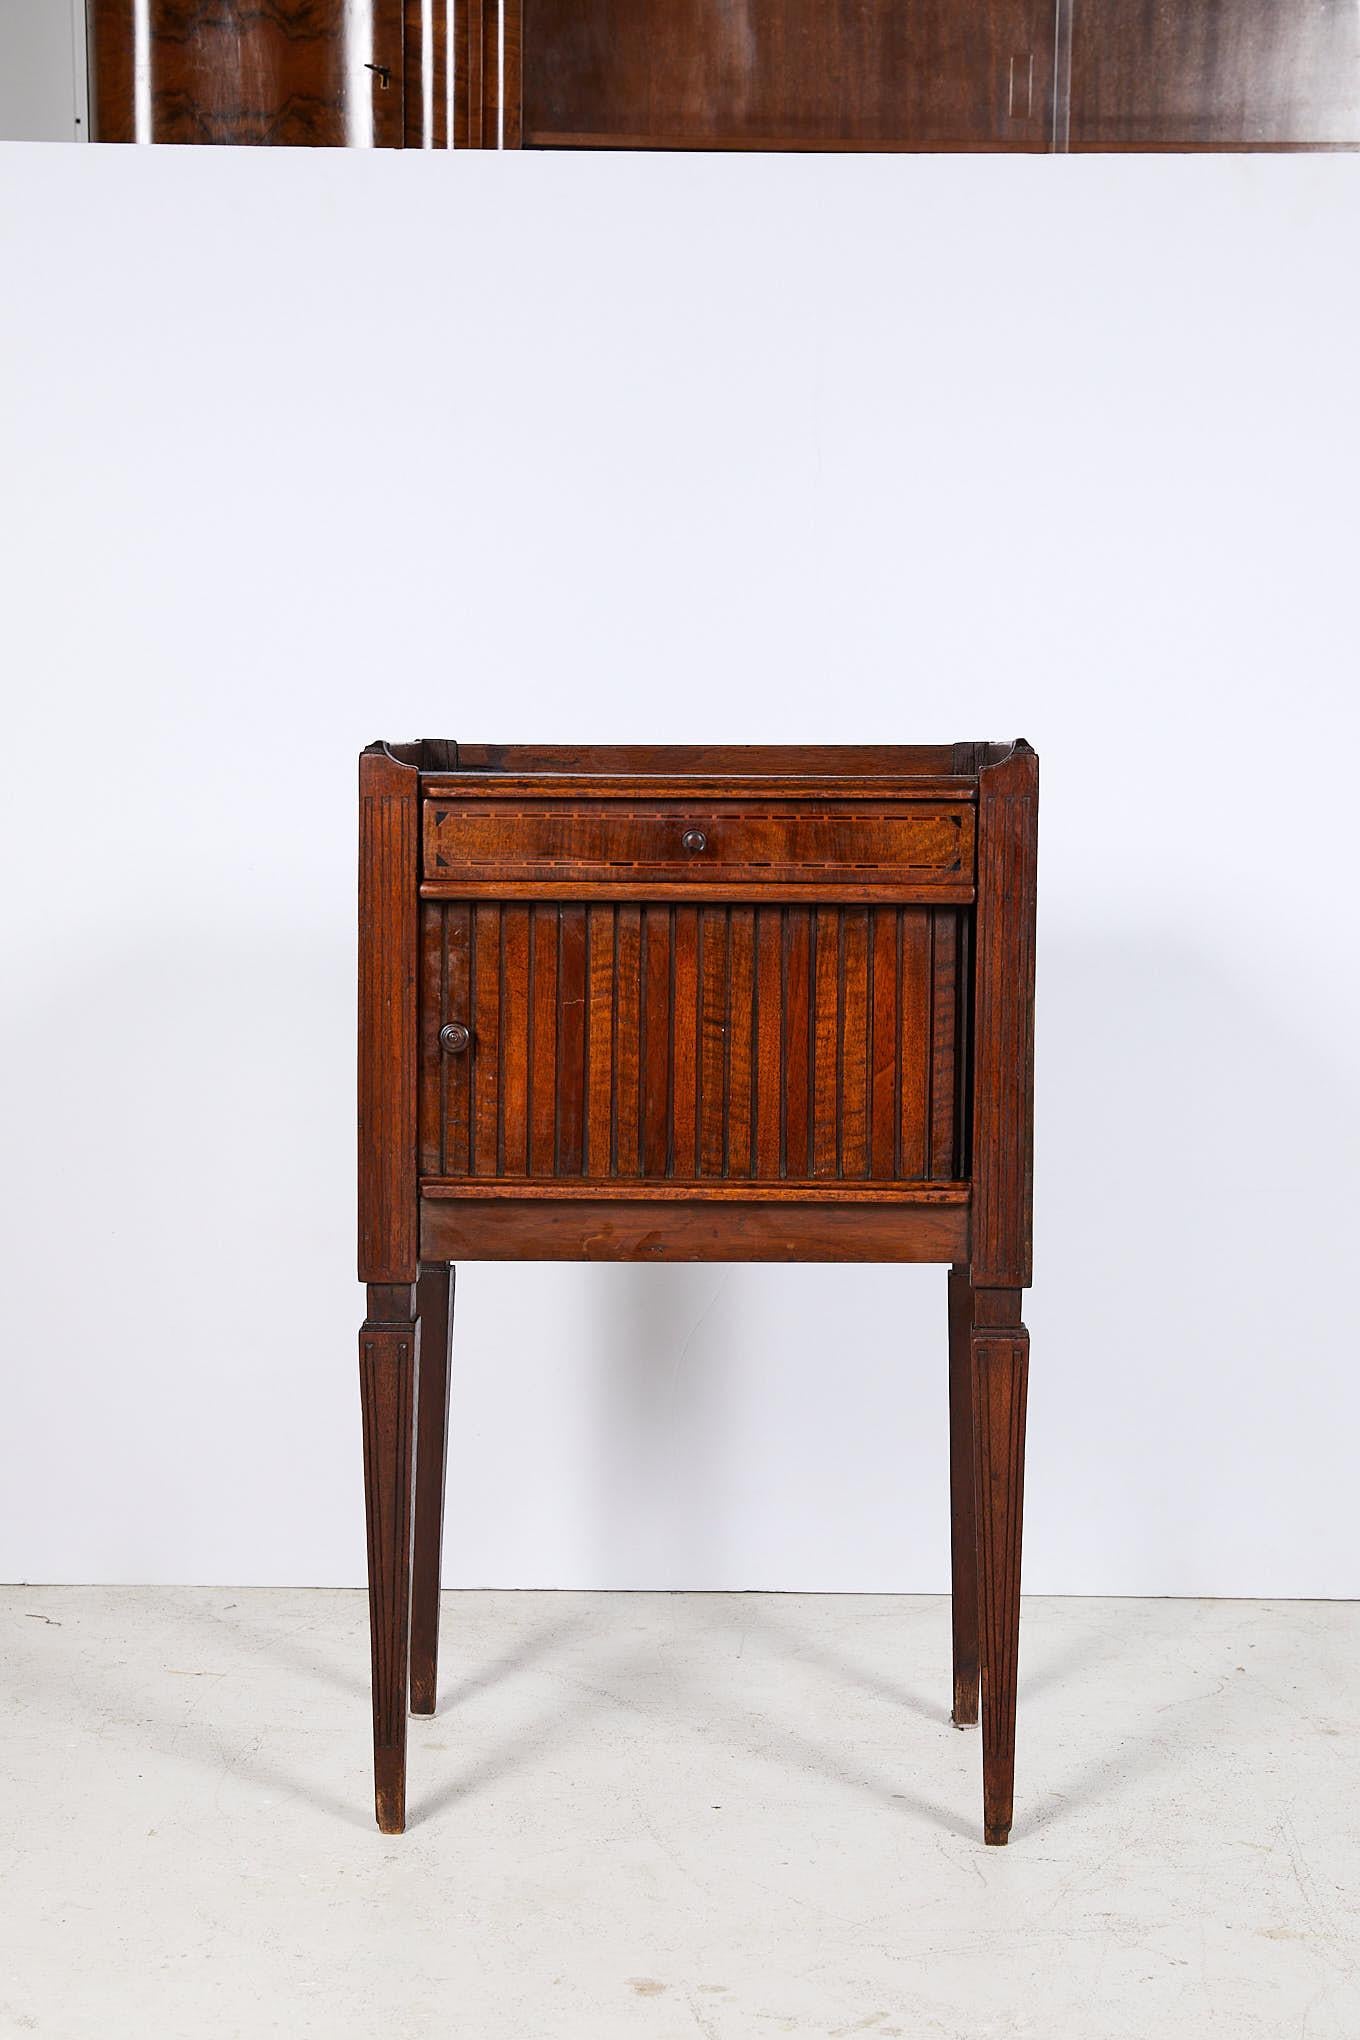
(914, 1038)
(713, 989)
(797, 1042)
(884, 1107)
(431, 1117)
(856, 960)
(456, 1070)
(600, 1042)
(655, 1076)
(542, 1112)
(486, 1008)
(514, 1040)
(571, 1042)
(769, 1041)
(685, 1045)
(943, 981)
(826, 1042)
(688, 1043)
(627, 1040)
(740, 1047)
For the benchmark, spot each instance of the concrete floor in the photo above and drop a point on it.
(655, 1817)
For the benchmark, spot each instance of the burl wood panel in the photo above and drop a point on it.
(1215, 74)
(286, 72)
(604, 843)
(831, 74)
(697, 1044)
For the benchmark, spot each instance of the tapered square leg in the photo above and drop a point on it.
(1000, 1354)
(434, 1305)
(963, 1500)
(388, 1374)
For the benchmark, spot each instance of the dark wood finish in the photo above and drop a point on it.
(476, 114)
(602, 842)
(428, 43)
(388, 1364)
(1003, 1044)
(571, 1049)
(802, 74)
(388, 865)
(612, 1228)
(697, 74)
(296, 73)
(686, 1052)
(963, 1500)
(1000, 1366)
(434, 1307)
(703, 764)
(1215, 74)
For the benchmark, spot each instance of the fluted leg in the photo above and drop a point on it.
(963, 1500)
(434, 1304)
(388, 1373)
(1000, 1355)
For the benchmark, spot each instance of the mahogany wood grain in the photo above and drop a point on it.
(702, 1056)
(705, 841)
(504, 788)
(838, 74)
(388, 801)
(388, 1364)
(695, 74)
(626, 1065)
(1000, 1369)
(747, 765)
(434, 1308)
(428, 46)
(1003, 1037)
(293, 73)
(609, 1227)
(963, 1501)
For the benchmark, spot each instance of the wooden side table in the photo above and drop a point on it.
(649, 1003)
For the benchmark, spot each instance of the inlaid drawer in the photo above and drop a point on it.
(674, 843)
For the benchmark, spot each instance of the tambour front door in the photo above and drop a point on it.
(659, 1041)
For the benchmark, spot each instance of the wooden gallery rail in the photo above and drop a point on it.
(687, 1004)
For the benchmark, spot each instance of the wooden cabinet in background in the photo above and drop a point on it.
(785, 74)
(656, 1004)
(1214, 74)
(705, 74)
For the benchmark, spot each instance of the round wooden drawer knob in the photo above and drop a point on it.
(454, 1038)
(694, 840)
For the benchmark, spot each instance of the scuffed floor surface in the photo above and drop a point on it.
(676, 1817)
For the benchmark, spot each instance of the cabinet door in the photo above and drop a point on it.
(832, 74)
(319, 73)
(1215, 74)
(697, 1044)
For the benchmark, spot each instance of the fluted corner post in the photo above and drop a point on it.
(999, 1353)
(389, 877)
(434, 1299)
(389, 1375)
(1001, 1225)
(962, 1502)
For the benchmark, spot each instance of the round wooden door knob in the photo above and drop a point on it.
(454, 1038)
(694, 840)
